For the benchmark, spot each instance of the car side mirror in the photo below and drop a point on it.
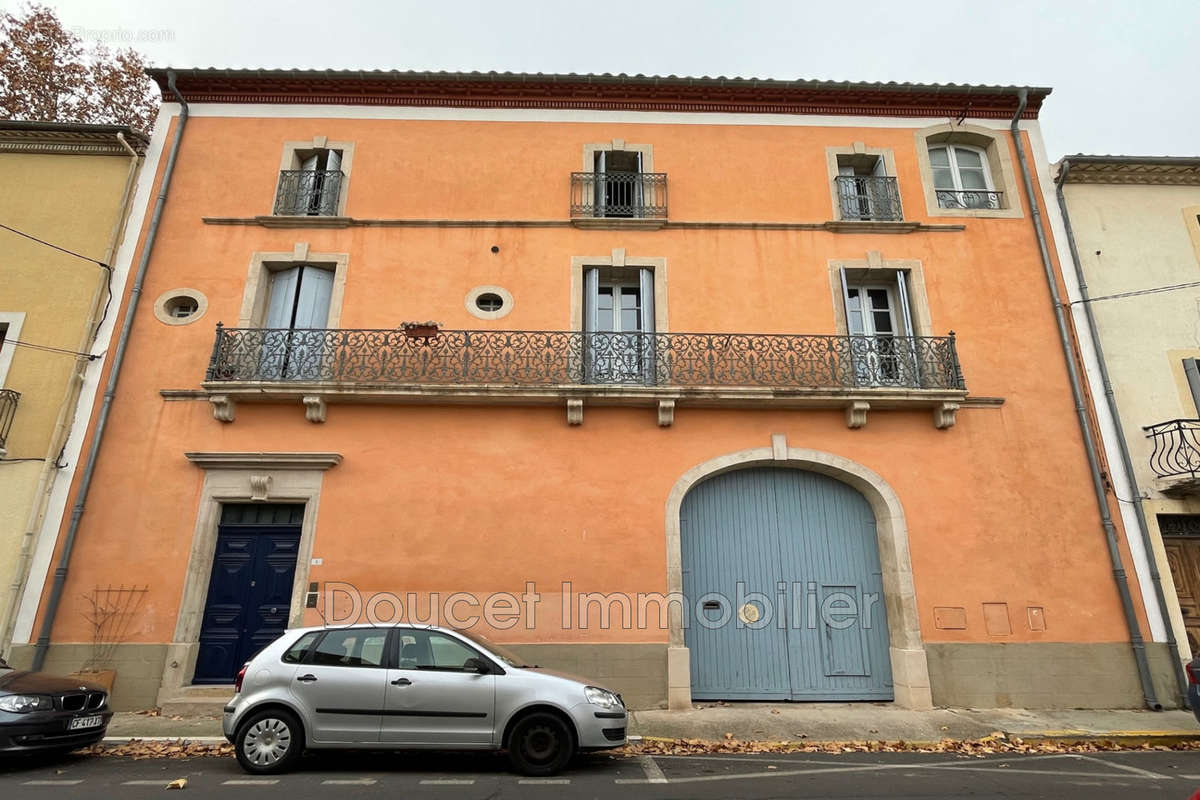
(477, 665)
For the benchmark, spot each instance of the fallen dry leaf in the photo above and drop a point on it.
(178, 783)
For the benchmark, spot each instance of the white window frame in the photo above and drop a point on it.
(14, 320)
(955, 173)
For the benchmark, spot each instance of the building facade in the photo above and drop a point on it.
(69, 186)
(708, 389)
(1135, 227)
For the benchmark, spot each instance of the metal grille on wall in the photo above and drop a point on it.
(549, 358)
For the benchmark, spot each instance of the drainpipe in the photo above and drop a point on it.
(110, 390)
(1122, 445)
(66, 411)
(1085, 426)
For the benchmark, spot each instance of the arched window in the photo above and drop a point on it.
(962, 178)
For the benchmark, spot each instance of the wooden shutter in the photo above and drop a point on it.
(312, 301)
(283, 298)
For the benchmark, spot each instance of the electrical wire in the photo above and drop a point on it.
(49, 349)
(1137, 292)
(56, 247)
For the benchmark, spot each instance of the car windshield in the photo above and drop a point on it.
(500, 651)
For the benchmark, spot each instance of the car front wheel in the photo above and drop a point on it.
(269, 741)
(540, 744)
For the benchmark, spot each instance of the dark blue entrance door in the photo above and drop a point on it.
(250, 591)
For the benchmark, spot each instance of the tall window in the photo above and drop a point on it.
(297, 314)
(961, 177)
(619, 190)
(879, 322)
(865, 191)
(618, 325)
(314, 189)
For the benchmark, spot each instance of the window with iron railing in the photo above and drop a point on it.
(313, 190)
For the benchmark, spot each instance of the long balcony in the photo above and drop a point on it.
(308, 192)
(1175, 459)
(8, 409)
(869, 198)
(730, 369)
(969, 199)
(619, 196)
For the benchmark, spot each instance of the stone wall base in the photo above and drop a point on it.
(1046, 675)
(637, 671)
(139, 669)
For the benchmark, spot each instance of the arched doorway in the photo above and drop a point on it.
(782, 574)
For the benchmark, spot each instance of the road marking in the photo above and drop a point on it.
(448, 782)
(162, 782)
(546, 781)
(653, 773)
(252, 782)
(349, 782)
(1189, 777)
(1145, 773)
(52, 783)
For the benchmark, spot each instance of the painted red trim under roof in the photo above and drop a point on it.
(597, 92)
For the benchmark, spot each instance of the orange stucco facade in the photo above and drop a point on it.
(484, 497)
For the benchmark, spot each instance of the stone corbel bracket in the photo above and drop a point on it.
(315, 408)
(945, 415)
(666, 413)
(574, 411)
(223, 407)
(856, 413)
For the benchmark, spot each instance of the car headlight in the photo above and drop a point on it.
(602, 697)
(23, 703)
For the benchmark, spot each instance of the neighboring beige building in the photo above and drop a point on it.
(1136, 227)
(69, 186)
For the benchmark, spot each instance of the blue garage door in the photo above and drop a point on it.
(781, 571)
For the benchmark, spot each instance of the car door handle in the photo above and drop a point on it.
(307, 678)
(402, 682)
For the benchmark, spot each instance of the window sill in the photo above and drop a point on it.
(306, 221)
(618, 223)
(316, 396)
(872, 226)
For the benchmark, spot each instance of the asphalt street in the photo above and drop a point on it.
(438, 775)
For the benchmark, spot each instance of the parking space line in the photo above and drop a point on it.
(162, 782)
(251, 782)
(544, 781)
(1135, 770)
(349, 782)
(654, 773)
(53, 783)
(448, 782)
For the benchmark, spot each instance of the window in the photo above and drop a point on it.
(296, 653)
(865, 192)
(314, 189)
(619, 325)
(297, 315)
(879, 323)
(489, 302)
(356, 647)
(961, 177)
(430, 650)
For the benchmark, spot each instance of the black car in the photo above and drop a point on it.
(40, 712)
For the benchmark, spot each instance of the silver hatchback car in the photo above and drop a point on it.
(408, 687)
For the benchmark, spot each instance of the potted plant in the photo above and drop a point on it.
(420, 330)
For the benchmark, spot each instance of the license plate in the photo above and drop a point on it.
(85, 722)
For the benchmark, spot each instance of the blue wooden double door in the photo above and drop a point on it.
(250, 589)
(785, 593)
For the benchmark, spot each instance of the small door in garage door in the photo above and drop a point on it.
(781, 571)
(250, 590)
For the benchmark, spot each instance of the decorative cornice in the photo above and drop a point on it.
(1131, 170)
(598, 92)
(832, 226)
(61, 141)
(283, 460)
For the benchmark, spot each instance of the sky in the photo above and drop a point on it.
(1124, 73)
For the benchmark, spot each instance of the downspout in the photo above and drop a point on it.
(1085, 426)
(110, 390)
(1122, 445)
(66, 412)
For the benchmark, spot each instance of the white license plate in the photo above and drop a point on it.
(85, 722)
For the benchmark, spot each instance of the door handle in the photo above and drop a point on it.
(309, 678)
(402, 682)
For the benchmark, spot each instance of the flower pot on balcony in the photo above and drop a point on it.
(420, 330)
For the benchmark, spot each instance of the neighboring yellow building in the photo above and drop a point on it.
(1135, 226)
(68, 185)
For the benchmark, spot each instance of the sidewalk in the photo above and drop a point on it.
(810, 722)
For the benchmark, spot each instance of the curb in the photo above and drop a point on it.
(117, 741)
(1128, 738)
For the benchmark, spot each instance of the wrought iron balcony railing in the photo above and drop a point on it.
(636, 195)
(869, 197)
(1176, 451)
(8, 409)
(969, 199)
(308, 192)
(553, 358)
